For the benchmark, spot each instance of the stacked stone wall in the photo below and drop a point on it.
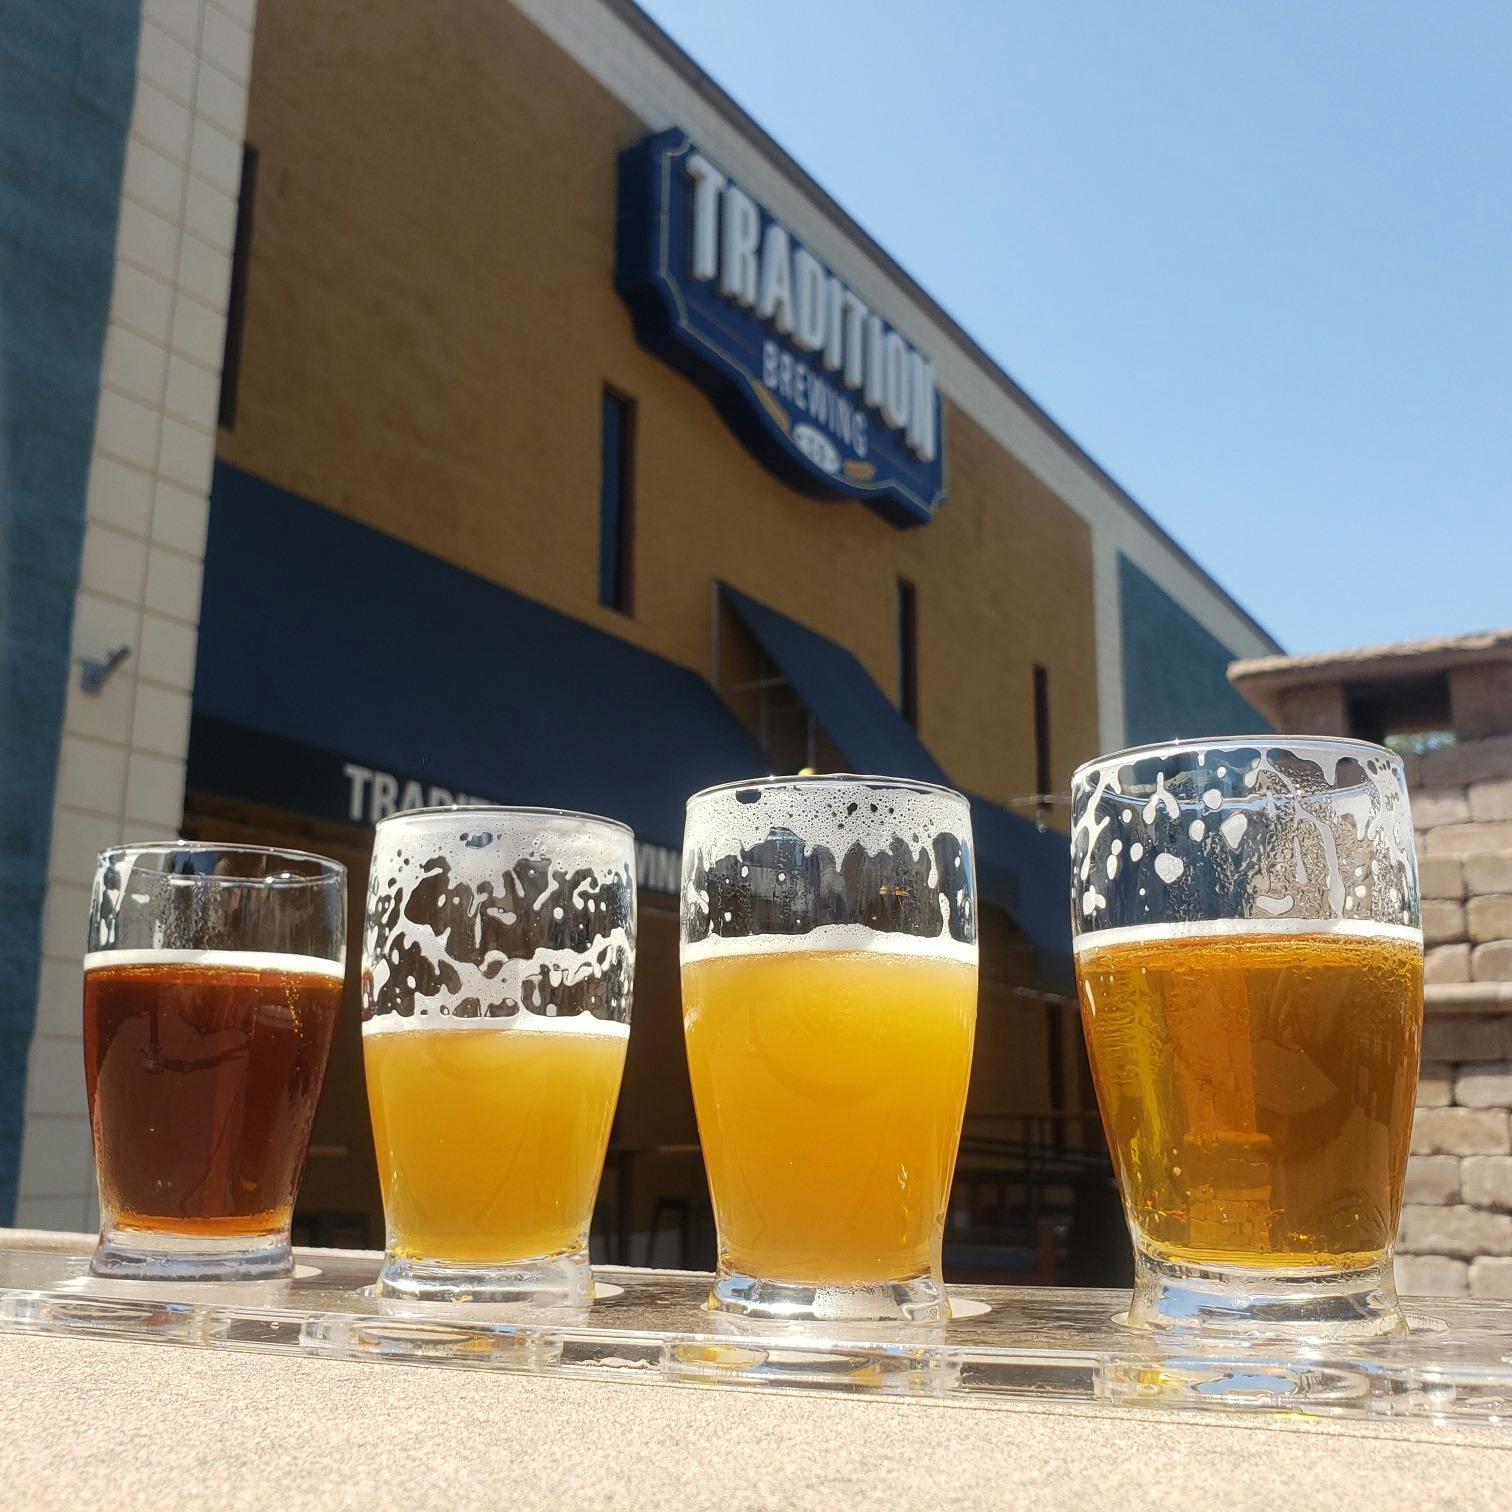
(1456, 1232)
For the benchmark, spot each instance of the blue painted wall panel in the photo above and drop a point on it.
(1175, 672)
(67, 80)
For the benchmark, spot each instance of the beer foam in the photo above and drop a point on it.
(833, 939)
(481, 917)
(1135, 934)
(220, 960)
(525, 1021)
(471, 840)
(836, 813)
(1267, 826)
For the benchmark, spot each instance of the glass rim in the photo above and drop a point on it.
(1215, 742)
(818, 779)
(331, 868)
(514, 810)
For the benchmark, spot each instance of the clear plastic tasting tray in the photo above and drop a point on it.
(1006, 1344)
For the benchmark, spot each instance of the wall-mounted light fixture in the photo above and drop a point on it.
(93, 675)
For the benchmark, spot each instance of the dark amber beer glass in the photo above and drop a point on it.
(1250, 965)
(211, 990)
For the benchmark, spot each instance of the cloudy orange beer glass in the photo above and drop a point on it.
(1250, 964)
(498, 960)
(829, 969)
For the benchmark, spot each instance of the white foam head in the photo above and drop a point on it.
(834, 939)
(836, 812)
(219, 960)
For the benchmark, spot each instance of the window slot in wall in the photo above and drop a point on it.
(617, 502)
(908, 652)
(1044, 780)
(236, 298)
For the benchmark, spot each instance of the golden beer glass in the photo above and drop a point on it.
(498, 962)
(1249, 958)
(829, 970)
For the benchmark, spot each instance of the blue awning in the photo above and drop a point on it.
(323, 638)
(839, 692)
(1024, 870)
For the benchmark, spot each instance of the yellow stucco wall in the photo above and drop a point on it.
(431, 319)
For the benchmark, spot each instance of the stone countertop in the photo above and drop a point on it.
(128, 1425)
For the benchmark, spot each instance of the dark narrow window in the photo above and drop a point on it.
(908, 652)
(1043, 777)
(236, 300)
(617, 503)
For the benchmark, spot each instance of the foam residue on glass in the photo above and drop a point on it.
(838, 864)
(1283, 837)
(499, 918)
(201, 904)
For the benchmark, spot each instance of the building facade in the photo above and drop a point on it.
(471, 401)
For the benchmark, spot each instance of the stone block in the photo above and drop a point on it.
(1477, 760)
(1480, 700)
(1488, 917)
(1432, 807)
(1491, 799)
(1486, 1180)
(1466, 839)
(1447, 963)
(1484, 1085)
(1442, 922)
(1435, 1178)
(1488, 872)
(1442, 877)
(1431, 1276)
(1491, 1276)
(1492, 962)
(1412, 769)
(1462, 1231)
(1463, 1038)
(1440, 768)
(1460, 1131)
(1435, 1088)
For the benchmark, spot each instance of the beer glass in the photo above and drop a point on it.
(829, 972)
(1249, 957)
(498, 958)
(212, 982)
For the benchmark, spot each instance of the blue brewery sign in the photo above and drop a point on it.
(814, 381)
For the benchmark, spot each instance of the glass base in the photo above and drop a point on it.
(1005, 1349)
(146, 1255)
(545, 1281)
(920, 1299)
(1251, 1302)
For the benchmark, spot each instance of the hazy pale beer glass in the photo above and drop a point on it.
(1249, 955)
(829, 968)
(498, 959)
(212, 982)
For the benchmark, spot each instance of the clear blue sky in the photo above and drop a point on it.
(1256, 257)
